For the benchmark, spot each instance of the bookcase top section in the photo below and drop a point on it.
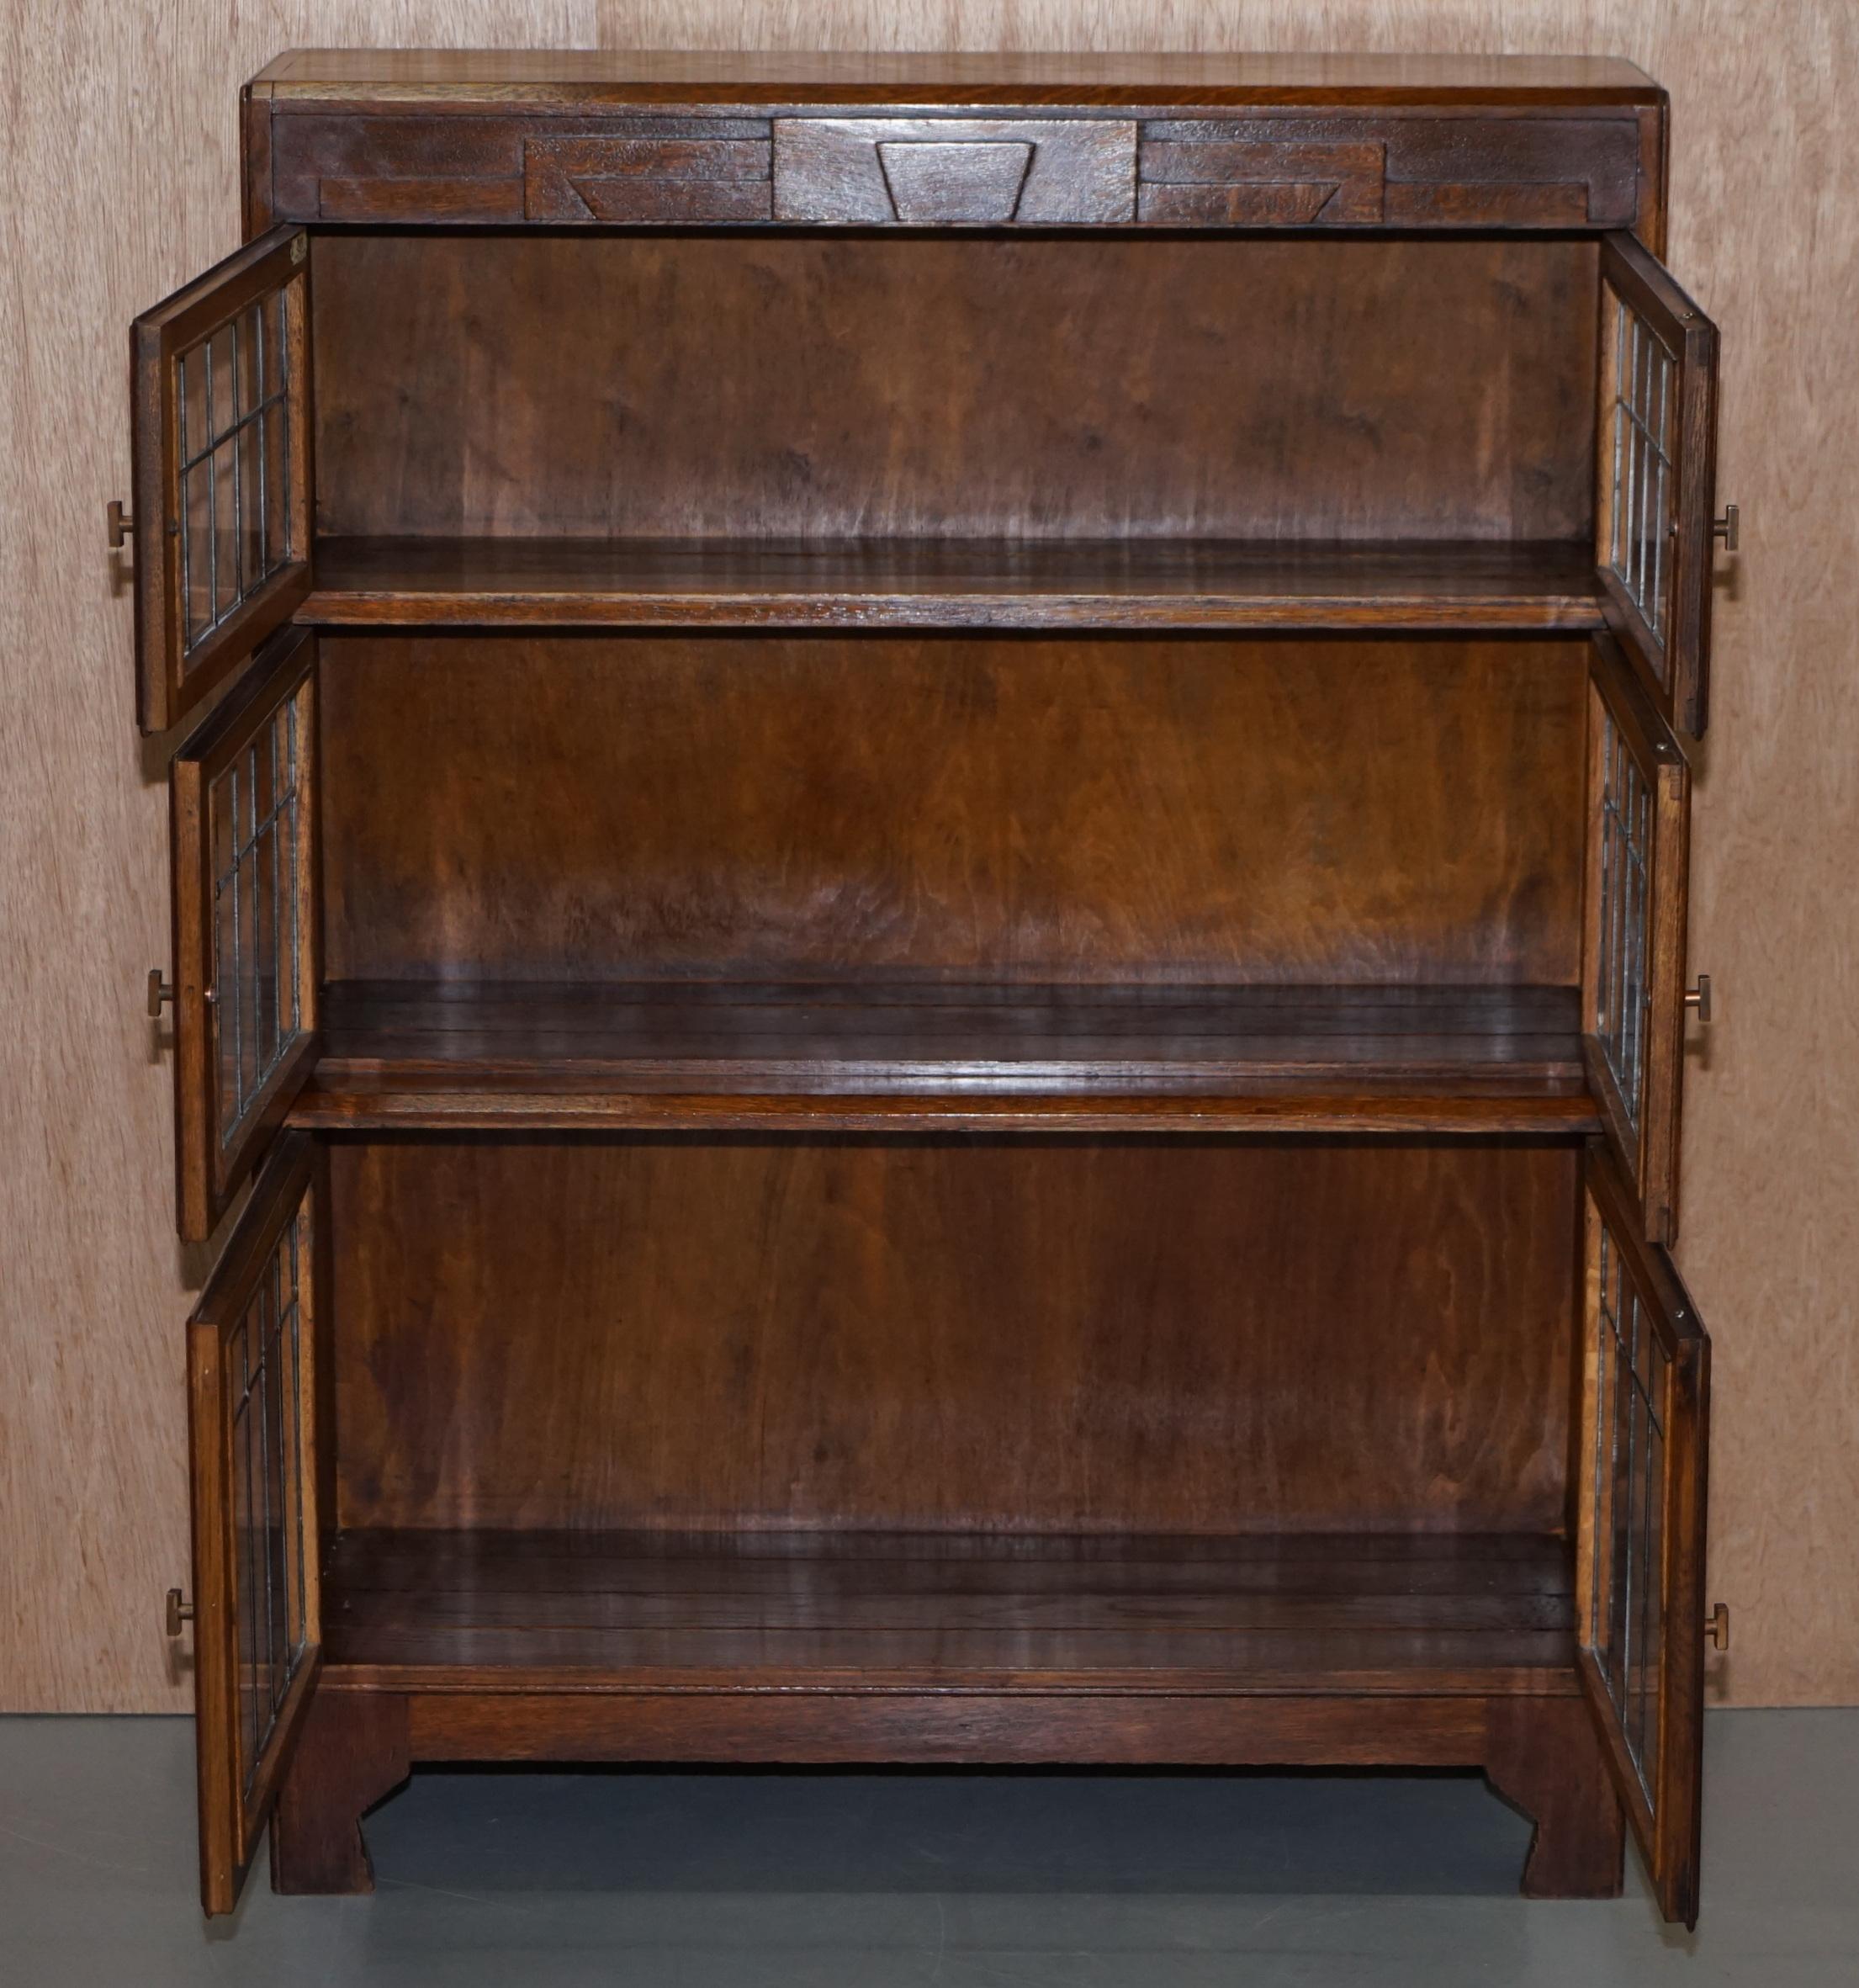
(410, 138)
(570, 77)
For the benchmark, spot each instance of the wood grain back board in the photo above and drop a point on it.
(1043, 809)
(1014, 1335)
(807, 385)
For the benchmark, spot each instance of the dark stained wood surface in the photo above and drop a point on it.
(352, 1754)
(954, 1334)
(947, 1439)
(226, 967)
(1029, 386)
(194, 629)
(1654, 1743)
(399, 1052)
(353, 1100)
(243, 1738)
(1674, 661)
(1162, 141)
(1645, 916)
(1014, 809)
(997, 172)
(951, 583)
(784, 1610)
(499, 163)
(1549, 1762)
(554, 75)
(1053, 1728)
(1391, 169)
(898, 1034)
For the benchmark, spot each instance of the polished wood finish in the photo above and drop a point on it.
(889, 1056)
(239, 1770)
(998, 171)
(217, 1148)
(1019, 810)
(898, 1034)
(1548, 1761)
(353, 1752)
(937, 583)
(1645, 1128)
(1162, 141)
(954, 385)
(954, 1333)
(1325, 171)
(1659, 1774)
(174, 669)
(1404, 1614)
(554, 76)
(1539, 1750)
(1674, 659)
(1065, 1729)
(952, 836)
(351, 1100)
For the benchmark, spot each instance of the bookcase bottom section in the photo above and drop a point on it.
(1542, 1754)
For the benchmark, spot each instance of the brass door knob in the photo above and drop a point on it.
(1716, 1628)
(179, 1610)
(1724, 528)
(122, 525)
(160, 993)
(1699, 998)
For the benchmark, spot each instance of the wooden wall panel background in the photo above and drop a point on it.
(119, 181)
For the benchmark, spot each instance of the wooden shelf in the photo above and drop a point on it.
(935, 583)
(902, 1057)
(1405, 1614)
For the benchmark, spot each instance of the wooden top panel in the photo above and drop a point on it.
(661, 140)
(548, 76)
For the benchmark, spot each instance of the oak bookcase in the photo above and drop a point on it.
(930, 874)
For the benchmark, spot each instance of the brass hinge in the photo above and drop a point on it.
(1716, 1628)
(1699, 998)
(179, 1610)
(1724, 528)
(122, 526)
(161, 991)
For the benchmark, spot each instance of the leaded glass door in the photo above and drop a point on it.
(1633, 972)
(1656, 468)
(253, 1418)
(220, 391)
(1639, 1567)
(246, 946)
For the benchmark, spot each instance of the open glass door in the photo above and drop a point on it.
(1657, 484)
(220, 392)
(252, 1424)
(1633, 972)
(247, 944)
(1639, 1563)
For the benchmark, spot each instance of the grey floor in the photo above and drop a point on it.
(1014, 1881)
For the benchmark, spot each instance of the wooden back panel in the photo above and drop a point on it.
(796, 385)
(1265, 811)
(1008, 1336)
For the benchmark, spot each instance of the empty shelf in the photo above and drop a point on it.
(759, 1610)
(900, 1057)
(1136, 583)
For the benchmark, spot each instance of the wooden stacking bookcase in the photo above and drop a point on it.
(930, 890)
